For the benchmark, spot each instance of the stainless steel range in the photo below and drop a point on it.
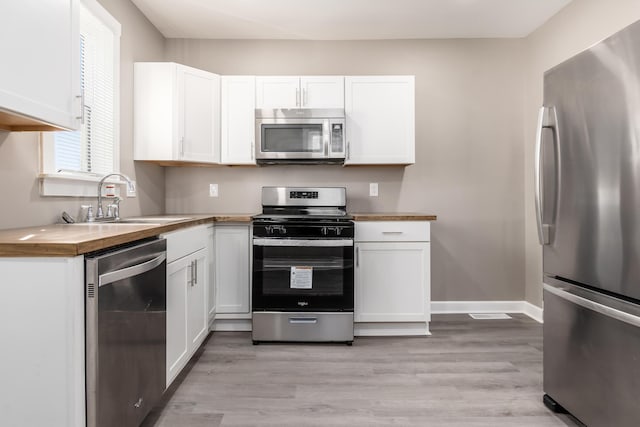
(303, 266)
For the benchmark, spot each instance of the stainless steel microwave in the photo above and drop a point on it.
(300, 135)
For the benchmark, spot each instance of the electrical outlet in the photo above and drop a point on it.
(131, 189)
(213, 190)
(373, 189)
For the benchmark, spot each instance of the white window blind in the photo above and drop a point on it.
(91, 149)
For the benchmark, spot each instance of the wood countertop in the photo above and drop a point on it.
(77, 239)
(393, 216)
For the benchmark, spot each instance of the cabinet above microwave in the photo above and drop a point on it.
(299, 92)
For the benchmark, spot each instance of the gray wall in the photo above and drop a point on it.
(575, 28)
(469, 149)
(19, 152)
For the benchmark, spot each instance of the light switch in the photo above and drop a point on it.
(373, 189)
(213, 190)
(131, 189)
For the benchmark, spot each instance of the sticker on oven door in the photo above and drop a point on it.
(301, 277)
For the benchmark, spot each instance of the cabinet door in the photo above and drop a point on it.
(277, 92)
(232, 252)
(380, 126)
(39, 77)
(178, 276)
(322, 91)
(238, 120)
(392, 282)
(198, 92)
(197, 313)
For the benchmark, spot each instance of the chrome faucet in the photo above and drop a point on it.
(110, 213)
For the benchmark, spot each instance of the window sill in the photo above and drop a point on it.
(72, 185)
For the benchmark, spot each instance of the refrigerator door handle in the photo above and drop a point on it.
(593, 305)
(546, 120)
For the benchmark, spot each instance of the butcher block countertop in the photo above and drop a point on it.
(77, 239)
(395, 216)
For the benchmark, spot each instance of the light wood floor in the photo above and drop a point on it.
(468, 373)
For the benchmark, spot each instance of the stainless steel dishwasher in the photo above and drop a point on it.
(125, 333)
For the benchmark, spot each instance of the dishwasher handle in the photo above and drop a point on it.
(134, 270)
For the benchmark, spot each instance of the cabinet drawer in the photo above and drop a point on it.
(184, 242)
(392, 231)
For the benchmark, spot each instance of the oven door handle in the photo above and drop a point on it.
(303, 320)
(302, 243)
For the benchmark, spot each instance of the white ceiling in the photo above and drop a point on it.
(347, 19)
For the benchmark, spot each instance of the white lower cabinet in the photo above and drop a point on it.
(187, 296)
(42, 363)
(392, 278)
(232, 254)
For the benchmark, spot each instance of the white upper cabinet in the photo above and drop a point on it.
(176, 113)
(40, 72)
(300, 92)
(380, 113)
(322, 91)
(238, 103)
(277, 92)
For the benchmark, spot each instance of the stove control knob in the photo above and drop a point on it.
(338, 231)
(324, 231)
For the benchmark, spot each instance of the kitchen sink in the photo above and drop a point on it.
(147, 220)
(152, 219)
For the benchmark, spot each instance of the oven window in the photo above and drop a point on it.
(300, 138)
(320, 271)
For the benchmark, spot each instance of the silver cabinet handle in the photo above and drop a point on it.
(297, 97)
(393, 232)
(253, 150)
(304, 320)
(182, 146)
(357, 257)
(304, 97)
(547, 119)
(134, 270)
(195, 269)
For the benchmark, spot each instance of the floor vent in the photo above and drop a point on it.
(489, 316)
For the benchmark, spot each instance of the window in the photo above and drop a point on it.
(73, 161)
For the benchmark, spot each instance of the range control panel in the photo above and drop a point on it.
(303, 194)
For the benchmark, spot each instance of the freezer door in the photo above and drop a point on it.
(590, 179)
(591, 352)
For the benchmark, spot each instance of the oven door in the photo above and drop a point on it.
(302, 275)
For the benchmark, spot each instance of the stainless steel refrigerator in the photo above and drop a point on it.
(588, 206)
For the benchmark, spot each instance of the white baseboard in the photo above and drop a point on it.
(388, 329)
(465, 307)
(533, 311)
(232, 325)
